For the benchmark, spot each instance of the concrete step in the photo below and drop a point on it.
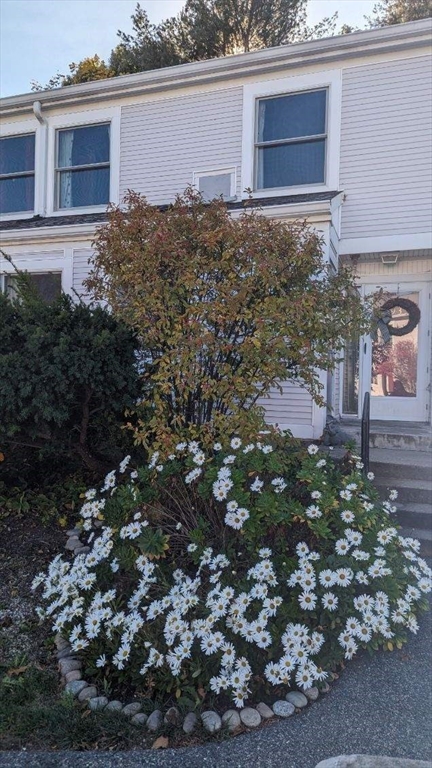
(415, 515)
(401, 441)
(423, 536)
(392, 463)
(409, 491)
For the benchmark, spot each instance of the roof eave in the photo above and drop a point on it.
(365, 43)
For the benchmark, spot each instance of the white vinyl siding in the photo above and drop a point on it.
(81, 269)
(294, 406)
(386, 151)
(164, 142)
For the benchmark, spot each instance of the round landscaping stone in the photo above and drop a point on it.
(65, 653)
(61, 642)
(296, 698)
(75, 687)
(131, 709)
(172, 717)
(74, 675)
(250, 717)
(90, 692)
(155, 721)
(211, 721)
(283, 708)
(231, 719)
(114, 706)
(139, 719)
(68, 665)
(73, 543)
(190, 722)
(312, 693)
(73, 533)
(99, 702)
(265, 711)
(81, 550)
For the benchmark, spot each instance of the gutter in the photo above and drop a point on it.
(413, 35)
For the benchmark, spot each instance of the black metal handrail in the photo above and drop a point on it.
(365, 432)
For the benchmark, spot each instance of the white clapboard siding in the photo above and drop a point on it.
(293, 406)
(164, 142)
(81, 269)
(386, 149)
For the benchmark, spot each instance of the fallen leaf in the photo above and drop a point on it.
(160, 743)
(17, 670)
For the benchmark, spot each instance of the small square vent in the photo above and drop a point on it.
(213, 184)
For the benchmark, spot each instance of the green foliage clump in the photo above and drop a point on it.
(67, 374)
(225, 308)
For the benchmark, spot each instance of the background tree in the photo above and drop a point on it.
(224, 308)
(204, 29)
(91, 68)
(387, 12)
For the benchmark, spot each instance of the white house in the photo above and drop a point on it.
(335, 130)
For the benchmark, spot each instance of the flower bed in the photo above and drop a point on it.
(232, 575)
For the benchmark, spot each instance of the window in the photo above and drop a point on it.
(83, 166)
(290, 146)
(17, 173)
(47, 284)
(213, 184)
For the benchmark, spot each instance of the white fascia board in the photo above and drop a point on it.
(412, 35)
(359, 245)
(66, 232)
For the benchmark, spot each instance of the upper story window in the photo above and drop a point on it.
(83, 166)
(291, 137)
(17, 173)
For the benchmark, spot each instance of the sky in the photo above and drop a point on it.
(39, 38)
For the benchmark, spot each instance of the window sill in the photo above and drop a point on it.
(19, 215)
(304, 189)
(79, 210)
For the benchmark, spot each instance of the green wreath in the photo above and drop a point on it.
(409, 306)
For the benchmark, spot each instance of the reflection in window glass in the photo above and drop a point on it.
(47, 284)
(83, 166)
(394, 363)
(17, 163)
(291, 140)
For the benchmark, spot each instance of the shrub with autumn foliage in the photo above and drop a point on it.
(225, 308)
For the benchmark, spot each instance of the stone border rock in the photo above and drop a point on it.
(249, 717)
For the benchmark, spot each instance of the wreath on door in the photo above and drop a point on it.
(410, 307)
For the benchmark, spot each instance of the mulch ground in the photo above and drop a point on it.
(26, 547)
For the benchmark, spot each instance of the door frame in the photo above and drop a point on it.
(416, 283)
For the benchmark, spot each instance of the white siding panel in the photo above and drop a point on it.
(163, 142)
(386, 149)
(293, 406)
(81, 269)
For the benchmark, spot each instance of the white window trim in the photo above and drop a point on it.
(82, 119)
(217, 172)
(330, 79)
(20, 128)
(40, 262)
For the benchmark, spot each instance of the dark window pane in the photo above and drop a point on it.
(17, 194)
(82, 188)
(17, 153)
(291, 164)
(84, 146)
(47, 284)
(289, 117)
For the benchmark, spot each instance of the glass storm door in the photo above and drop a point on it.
(396, 362)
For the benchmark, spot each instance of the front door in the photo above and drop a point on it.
(395, 365)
